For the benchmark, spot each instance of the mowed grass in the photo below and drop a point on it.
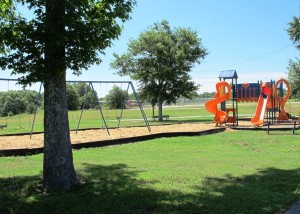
(230, 172)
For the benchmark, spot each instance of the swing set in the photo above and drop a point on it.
(90, 88)
(24, 122)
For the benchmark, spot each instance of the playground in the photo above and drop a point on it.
(270, 99)
(117, 107)
(251, 106)
(172, 168)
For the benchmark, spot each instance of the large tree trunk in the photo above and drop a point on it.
(160, 110)
(58, 169)
(58, 172)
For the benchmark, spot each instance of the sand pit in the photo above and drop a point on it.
(24, 141)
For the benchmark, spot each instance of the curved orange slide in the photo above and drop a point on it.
(212, 105)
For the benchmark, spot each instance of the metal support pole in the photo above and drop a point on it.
(35, 109)
(123, 106)
(141, 108)
(82, 107)
(294, 128)
(96, 98)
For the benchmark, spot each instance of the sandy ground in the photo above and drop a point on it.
(24, 141)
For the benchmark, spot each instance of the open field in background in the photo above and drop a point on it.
(192, 112)
(220, 173)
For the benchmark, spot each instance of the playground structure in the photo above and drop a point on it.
(271, 98)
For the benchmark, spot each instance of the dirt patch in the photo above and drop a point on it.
(24, 141)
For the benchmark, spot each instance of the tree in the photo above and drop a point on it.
(5, 7)
(116, 98)
(294, 77)
(11, 103)
(63, 34)
(17, 102)
(86, 94)
(72, 97)
(294, 31)
(160, 59)
(294, 65)
(6, 12)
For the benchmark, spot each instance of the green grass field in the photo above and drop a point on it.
(230, 172)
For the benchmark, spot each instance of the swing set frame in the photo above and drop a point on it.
(91, 87)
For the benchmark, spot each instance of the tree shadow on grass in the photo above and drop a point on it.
(267, 191)
(116, 189)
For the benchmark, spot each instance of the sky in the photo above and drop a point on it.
(248, 36)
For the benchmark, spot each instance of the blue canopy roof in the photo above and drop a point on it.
(230, 74)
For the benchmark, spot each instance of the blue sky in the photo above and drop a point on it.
(248, 36)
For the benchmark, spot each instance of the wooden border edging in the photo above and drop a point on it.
(93, 144)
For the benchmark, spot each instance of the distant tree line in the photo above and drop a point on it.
(17, 102)
(205, 95)
(77, 93)
(24, 101)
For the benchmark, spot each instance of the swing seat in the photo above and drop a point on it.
(3, 126)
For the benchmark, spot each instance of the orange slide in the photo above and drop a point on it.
(212, 105)
(264, 103)
(261, 108)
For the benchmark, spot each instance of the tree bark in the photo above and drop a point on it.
(160, 110)
(58, 168)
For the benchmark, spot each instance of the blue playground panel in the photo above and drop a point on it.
(247, 92)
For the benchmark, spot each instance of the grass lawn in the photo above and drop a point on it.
(230, 172)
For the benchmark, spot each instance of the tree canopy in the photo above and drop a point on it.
(17, 102)
(116, 98)
(89, 28)
(294, 65)
(161, 59)
(294, 77)
(294, 31)
(60, 35)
